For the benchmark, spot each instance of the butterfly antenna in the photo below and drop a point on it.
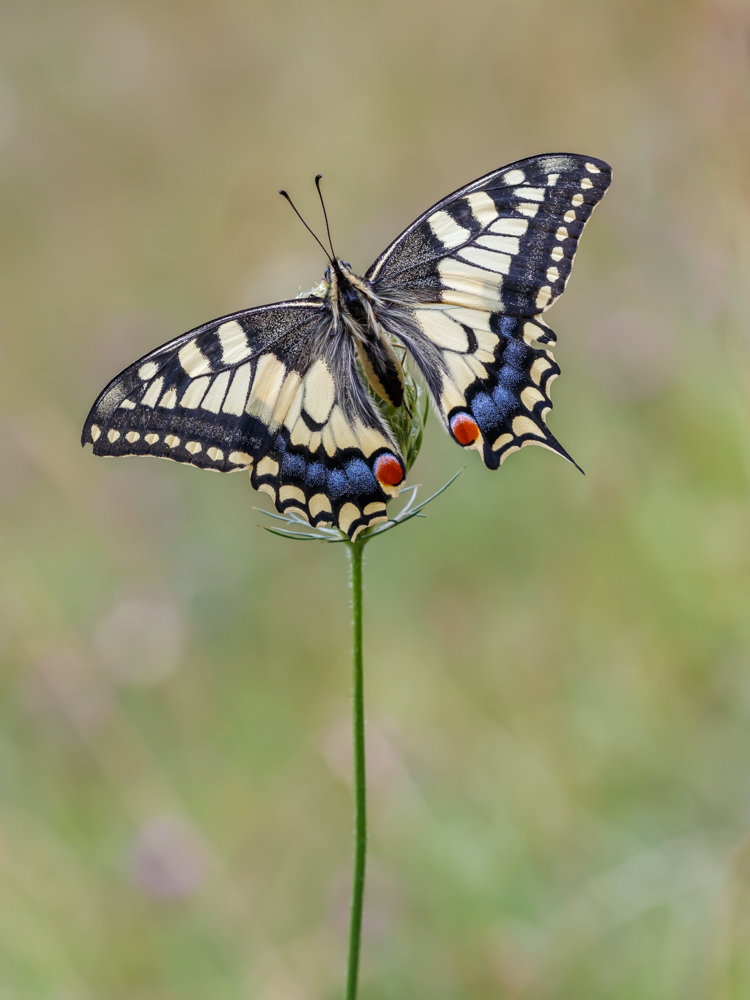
(285, 195)
(325, 214)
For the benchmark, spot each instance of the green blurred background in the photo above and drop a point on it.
(558, 667)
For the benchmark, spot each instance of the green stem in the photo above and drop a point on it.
(360, 794)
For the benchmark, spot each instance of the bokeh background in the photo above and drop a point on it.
(558, 667)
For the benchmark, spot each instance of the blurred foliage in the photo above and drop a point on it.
(558, 667)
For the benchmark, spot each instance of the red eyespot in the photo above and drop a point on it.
(388, 470)
(464, 428)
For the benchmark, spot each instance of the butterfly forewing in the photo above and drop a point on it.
(504, 243)
(212, 397)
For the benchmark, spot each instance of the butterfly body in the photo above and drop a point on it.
(281, 391)
(355, 310)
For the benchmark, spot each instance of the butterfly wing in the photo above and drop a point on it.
(504, 243)
(267, 390)
(488, 375)
(465, 285)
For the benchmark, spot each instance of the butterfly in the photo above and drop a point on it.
(285, 391)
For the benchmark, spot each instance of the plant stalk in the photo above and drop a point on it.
(360, 789)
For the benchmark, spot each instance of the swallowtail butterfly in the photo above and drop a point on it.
(280, 389)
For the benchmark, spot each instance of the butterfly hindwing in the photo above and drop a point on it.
(504, 243)
(333, 460)
(489, 375)
(267, 390)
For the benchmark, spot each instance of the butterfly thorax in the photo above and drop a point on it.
(355, 310)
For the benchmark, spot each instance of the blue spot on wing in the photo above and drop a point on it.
(485, 412)
(360, 476)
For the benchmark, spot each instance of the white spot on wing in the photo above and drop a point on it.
(374, 508)
(267, 467)
(370, 439)
(326, 436)
(561, 234)
(238, 390)
(132, 436)
(169, 399)
(194, 393)
(592, 168)
(347, 515)
(287, 396)
(576, 200)
(95, 433)
(193, 447)
(147, 371)
(291, 493)
(530, 397)
(557, 253)
(462, 373)
(151, 438)
(215, 454)
(240, 458)
(532, 194)
(497, 262)
(127, 404)
(447, 231)
(502, 441)
(540, 366)
(514, 177)
(301, 434)
(437, 325)
(528, 209)
(171, 440)
(151, 395)
(320, 391)
(523, 425)
(570, 216)
(215, 396)
(552, 179)
(510, 227)
(234, 343)
(193, 360)
(552, 274)
(476, 365)
(545, 294)
(269, 376)
(466, 285)
(112, 436)
(482, 207)
(586, 183)
(343, 432)
(501, 244)
(319, 503)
